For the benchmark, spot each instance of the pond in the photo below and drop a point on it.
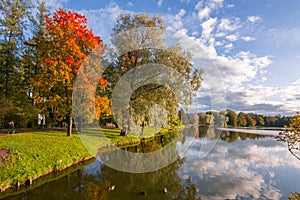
(239, 166)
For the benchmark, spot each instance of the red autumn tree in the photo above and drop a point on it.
(69, 46)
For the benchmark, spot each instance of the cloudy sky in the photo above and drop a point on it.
(255, 45)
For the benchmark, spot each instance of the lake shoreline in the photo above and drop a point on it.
(268, 132)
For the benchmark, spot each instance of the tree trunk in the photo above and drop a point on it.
(70, 123)
(79, 122)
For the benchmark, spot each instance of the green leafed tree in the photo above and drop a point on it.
(13, 23)
(35, 47)
(144, 47)
(232, 118)
(250, 121)
(15, 100)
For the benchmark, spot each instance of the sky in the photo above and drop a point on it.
(254, 44)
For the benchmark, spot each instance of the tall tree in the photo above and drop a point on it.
(13, 23)
(260, 120)
(250, 121)
(139, 35)
(71, 42)
(232, 118)
(14, 15)
(242, 119)
(36, 47)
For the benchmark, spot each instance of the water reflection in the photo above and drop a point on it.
(250, 169)
(93, 181)
(240, 166)
(146, 157)
(129, 185)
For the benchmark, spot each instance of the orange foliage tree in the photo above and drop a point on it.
(69, 46)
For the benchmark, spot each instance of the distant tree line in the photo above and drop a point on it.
(233, 119)
(252, 119)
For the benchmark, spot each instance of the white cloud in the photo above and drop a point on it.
(220, 34)
(204, 13)
(199, 5)
(268, 100)
(248, 38)
(195, 33)
(219, 43)
(53, 4)
(175, 22)
(232, 37)
(102, 20)
(130, 4)
(204, 10)
(290, 97)
(254, 19)
(234, 72)
(185, 1)
(215, 4)
(229, 25)
(263, 79)
(229, 46)
(159, 3)
(230, 6)
(238, 70)
(180, 14)
(208, 27)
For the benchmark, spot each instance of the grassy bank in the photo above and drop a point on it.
(34, 154)
(31, 155)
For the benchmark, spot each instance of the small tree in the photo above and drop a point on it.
(291, 135)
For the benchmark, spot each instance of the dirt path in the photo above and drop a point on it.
(3, 132)
(3, 155)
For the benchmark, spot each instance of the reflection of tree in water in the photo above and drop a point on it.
(157, 143)
(228, 136)
(129, 185)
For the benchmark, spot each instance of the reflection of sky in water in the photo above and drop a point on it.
(255, 169)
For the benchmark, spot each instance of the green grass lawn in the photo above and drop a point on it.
(107, 139)
(32, 155)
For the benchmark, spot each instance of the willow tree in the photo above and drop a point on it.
(144, 46)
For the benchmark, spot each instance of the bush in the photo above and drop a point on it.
(22, 113)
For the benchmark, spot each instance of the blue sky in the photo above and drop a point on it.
(254, 43)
